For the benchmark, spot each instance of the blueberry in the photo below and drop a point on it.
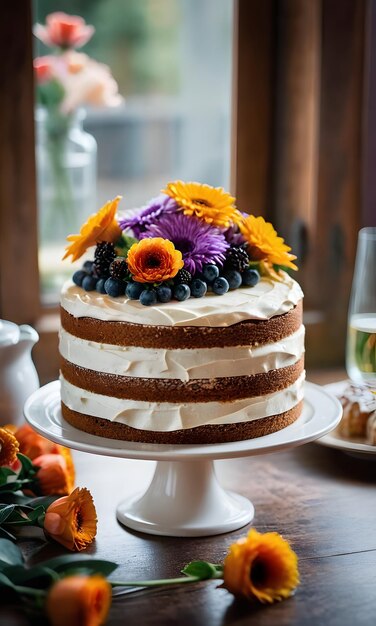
(88, 266)
(250, 277)
(233, 278)
(89, 283)
(164, 293)
(134, 290)
(100, 285)
(78, 277)
(148, 297)
(182, 292)
(114, 287)
(220, 286)
(210, 273)
(198, 288)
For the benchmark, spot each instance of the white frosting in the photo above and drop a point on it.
(183, 364)
(168, 416)
(266, 299)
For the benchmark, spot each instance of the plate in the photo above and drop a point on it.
(321, 413)
(354, 447)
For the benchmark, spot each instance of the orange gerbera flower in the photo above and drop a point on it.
(32, 444)
(154, 260)
(261, 566)
(9, 447)
(79, 601)
(101, 226)
(213, 205)
(72, 520)
(53, 476)
(264, 243)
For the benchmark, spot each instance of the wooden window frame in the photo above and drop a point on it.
(296, 118)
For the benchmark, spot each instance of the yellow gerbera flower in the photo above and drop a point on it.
(8, 447)
(264, 243)
(101, 226)
(261, 566)
(212, 204)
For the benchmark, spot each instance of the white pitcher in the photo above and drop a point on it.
(18, 376)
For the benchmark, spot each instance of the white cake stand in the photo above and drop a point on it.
(184, 498)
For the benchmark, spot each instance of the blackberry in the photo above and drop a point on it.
(103, 257)
(236, 259)
(119, 268)
(183, 277)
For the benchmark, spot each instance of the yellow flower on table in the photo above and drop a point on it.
(101, 226)
(154, 260)
(264, 243)
(9, 447)
(213, 205)
(72, 520)
(262, 567)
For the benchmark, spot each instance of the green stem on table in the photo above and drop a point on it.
(162, 581)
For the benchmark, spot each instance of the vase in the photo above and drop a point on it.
(66, 159)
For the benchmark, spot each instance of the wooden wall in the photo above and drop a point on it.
(303, 113)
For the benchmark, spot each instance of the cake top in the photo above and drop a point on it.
(189, 243)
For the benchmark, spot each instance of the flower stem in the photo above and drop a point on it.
(161, 581)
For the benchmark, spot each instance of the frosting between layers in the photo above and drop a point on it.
(167, 417)
(265, 300)
(183, 364)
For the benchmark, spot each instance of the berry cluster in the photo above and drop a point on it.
(109, 274)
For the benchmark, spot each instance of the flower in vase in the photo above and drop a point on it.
(44, 69)
(64, 31)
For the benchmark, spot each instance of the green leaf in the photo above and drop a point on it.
(67, 562)
(42, 501)
(5, 472)
(38, 576)
(4, 534)
(5, 511)
(10, 554)
(27, 464)
(201, 569)
(5, 582)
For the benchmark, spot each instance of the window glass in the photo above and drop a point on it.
(172, 62)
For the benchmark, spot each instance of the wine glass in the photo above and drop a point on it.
(361, 335)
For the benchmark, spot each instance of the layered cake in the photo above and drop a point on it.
(185, 328)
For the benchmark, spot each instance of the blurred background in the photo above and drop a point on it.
(275, 101)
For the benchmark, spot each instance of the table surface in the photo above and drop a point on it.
(321, 500)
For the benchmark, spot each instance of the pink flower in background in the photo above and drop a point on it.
(44, 68)
(64, 31)
(86, 82)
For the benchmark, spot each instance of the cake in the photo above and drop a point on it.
(359, 412)
(185, 328)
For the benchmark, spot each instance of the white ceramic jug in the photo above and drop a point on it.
(18, 376)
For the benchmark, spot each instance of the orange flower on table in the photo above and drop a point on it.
(213, 205)
(264, 243)
(79, 601)
(32, 444)
(101, 226)
(154, 260)
(9, 448)
(53, 476)
(262, 567)
(72, 520)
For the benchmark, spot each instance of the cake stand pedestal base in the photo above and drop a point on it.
(185, 499)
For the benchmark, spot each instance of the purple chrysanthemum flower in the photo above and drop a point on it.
(234, 236)
(147, 215)
(199, 242)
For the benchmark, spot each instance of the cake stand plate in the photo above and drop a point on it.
(184, 498)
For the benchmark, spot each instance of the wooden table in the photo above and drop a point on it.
(321, 500)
